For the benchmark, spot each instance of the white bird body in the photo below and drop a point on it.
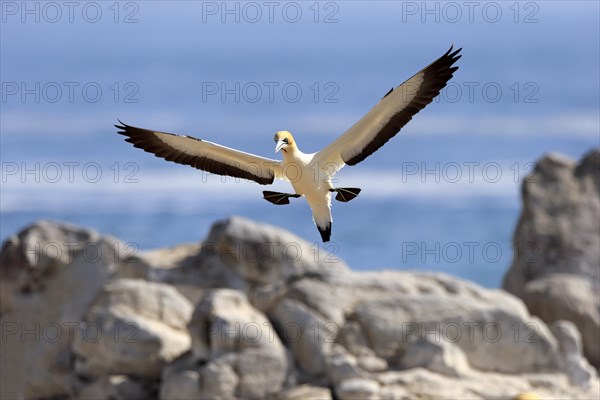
(309, 180)
(309, 174)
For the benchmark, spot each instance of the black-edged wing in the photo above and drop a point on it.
(203, 155)
(389, 115)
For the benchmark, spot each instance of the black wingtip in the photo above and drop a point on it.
(123, 125)
(454, 54)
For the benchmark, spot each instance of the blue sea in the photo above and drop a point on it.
(443, 195)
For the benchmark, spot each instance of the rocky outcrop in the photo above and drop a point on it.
(41, 252)
(51, 274)
(556, 269)
(254, 312)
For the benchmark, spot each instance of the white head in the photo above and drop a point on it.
(285, 141)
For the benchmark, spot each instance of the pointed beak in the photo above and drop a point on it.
(280, 145)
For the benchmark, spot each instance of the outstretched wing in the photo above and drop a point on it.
(204, 155)
(388, 116)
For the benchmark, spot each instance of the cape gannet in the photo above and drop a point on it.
(309, 174)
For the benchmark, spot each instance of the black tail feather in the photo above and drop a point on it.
(278, 198)
(325, 232)
(345, 194)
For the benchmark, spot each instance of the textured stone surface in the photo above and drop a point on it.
(30, 259)
(213, 326)
(442, 357)
(227, 330)
(557, 268)
(263, 254)
(142, 326)
(185, 378)
(305, 332)
(117, 387)
(51, 274)
(358, 389)
(576, 367)
(491, 327)
(305, 392)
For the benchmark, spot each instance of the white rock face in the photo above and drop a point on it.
(578, 370)
(141, 327)
(484, 326)
(305, 392)
(442, 357)
(557, 268)
(305, 332)
(263, 254)
(358, 389)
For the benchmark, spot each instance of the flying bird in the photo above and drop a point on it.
(309, 174)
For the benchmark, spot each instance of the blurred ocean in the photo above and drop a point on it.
(443, 195)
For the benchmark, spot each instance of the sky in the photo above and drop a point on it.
(521, 61)
(236, 72)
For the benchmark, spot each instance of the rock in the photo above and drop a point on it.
(265, 326)
(357, 389)
(309, 335)
(490, 327)
(305, 392)
(185, 379)
(42, 250)
(240, 254)
(51, 273)
(342, 365)
(527, 396)
(576, 367)
(556, 270)
(183, 385)
(442, 357)
(219, 380)
(224, 321)
(372, 363)
(353, 338)
(320, 296)
(225, 328)
(140, 327)
(191, 268)
(421, 383)
(395, 392)
(117, 387)
(265, 255)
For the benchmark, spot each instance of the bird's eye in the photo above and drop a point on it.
(285, 140)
